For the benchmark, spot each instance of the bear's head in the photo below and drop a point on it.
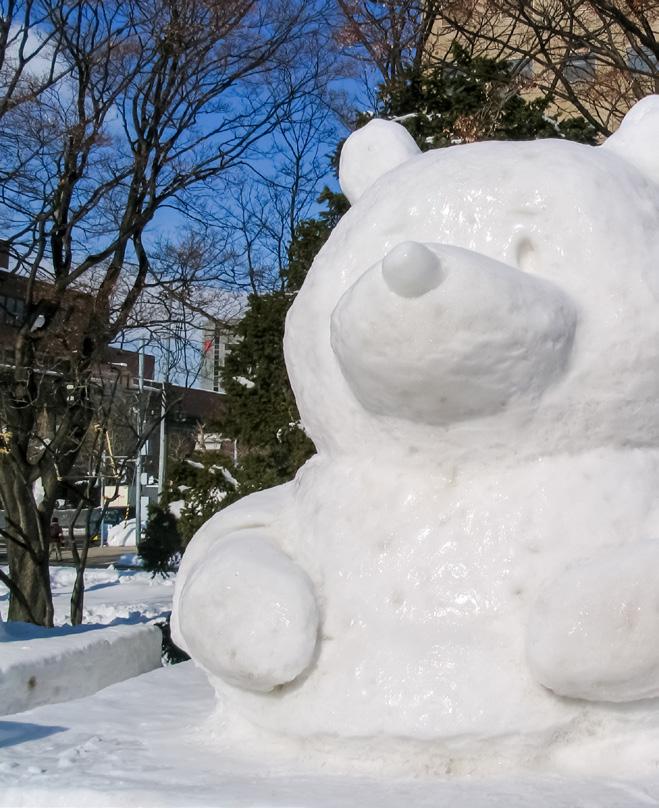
(486, 295)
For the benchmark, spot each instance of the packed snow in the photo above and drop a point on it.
(43, 666)
(147, 741)
(474, 354)
(123, 534)
(290, 615)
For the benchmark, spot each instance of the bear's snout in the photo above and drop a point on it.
(438, 334)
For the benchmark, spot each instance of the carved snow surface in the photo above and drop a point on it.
(245, 575)
(469, 563)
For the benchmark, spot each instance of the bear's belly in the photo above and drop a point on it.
(425, 581)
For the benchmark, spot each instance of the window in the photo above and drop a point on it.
(12, 310)
(522, 68)
(642, 60)
(580, 68)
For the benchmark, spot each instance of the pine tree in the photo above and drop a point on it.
(161, 542)
(261, 412)
(198, 487)
(470, 99)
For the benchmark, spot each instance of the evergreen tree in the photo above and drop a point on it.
(472, 99)
(468, 99)
(261, 412)
(198, 487)
(161, 542)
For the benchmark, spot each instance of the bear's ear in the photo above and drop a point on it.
(637, 139)
(372, 151)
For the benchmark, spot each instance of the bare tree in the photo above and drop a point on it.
(256, 220)
(195, 277)
(116, 114)
(393, 35)
(593, 57)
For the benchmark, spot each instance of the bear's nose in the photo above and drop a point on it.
(411, 269)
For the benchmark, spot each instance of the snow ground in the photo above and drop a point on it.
(112, 596)
(152, 741)
(148, 741)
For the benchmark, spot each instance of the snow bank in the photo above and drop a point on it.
(42, 666)
(123, 534)
(129, 560)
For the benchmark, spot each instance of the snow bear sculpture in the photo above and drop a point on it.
(473, 553)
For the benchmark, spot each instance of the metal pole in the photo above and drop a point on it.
(162, 454)
(138, 459)
(101, 524)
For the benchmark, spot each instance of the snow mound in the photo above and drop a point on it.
(122, 534)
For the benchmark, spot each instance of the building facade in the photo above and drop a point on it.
(217, 338)
(591, 63)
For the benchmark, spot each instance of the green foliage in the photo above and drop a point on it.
(261, 411)
(170, 653)
(161, 542)
(309, 237)
(204, 483)
(472, 99)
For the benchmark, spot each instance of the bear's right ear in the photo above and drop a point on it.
(637, 139)
(371, 152)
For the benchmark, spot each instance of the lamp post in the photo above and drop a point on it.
(117, 367)
(138, 459)
(162, 456)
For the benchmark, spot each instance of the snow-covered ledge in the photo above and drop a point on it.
(41, 666)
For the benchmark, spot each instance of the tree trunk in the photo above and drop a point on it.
(27, 534)
(31, 601)
(78, 592)
(78, 597)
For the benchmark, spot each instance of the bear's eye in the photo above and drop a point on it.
(526, 255)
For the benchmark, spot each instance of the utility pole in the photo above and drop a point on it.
(101, 524)
(138, 459)
(162, 454)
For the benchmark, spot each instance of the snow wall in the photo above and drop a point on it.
(50, 669)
